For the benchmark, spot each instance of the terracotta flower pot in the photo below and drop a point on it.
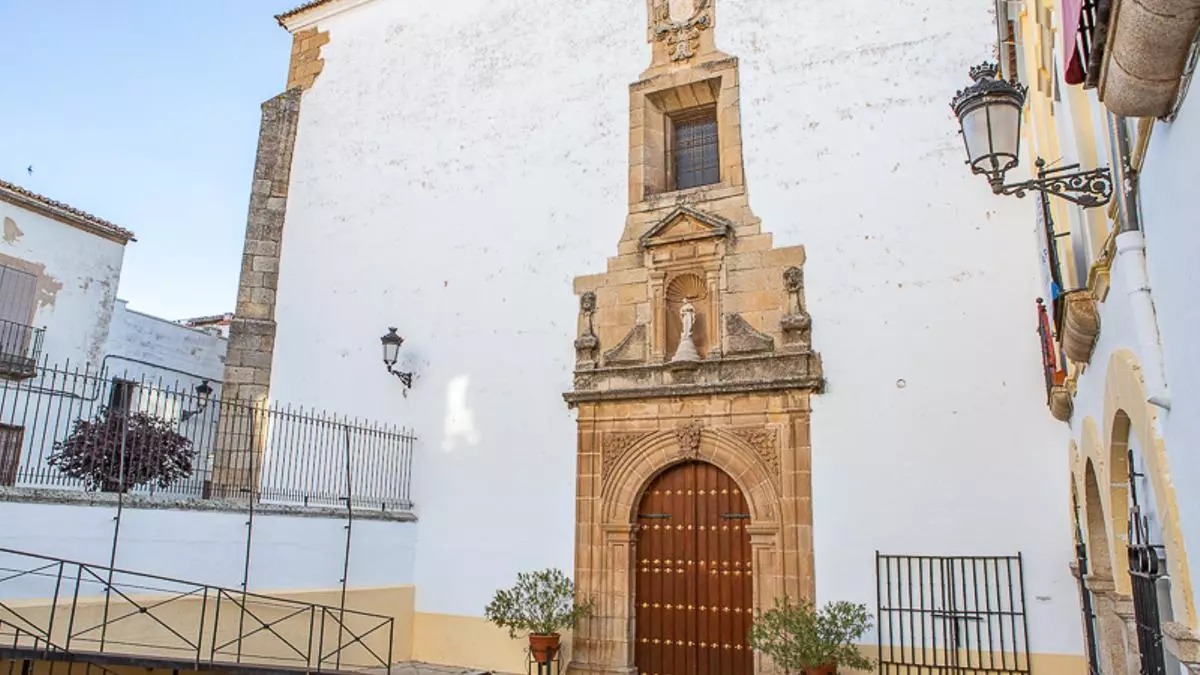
(544, 647)
(830, 669)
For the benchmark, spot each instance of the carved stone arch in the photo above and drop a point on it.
(1127, 414)
(1096, 524)
(613, 581)
(659, 451)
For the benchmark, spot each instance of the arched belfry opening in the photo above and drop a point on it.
(694, 369)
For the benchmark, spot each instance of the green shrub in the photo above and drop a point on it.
(799, 636)
(541, 603)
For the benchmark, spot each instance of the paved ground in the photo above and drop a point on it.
(427, 669)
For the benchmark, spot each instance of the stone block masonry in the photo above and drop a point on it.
(306, 62)
(252, 331)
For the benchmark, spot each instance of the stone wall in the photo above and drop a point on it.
(252, 331)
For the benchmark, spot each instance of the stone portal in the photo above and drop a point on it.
(694, 349)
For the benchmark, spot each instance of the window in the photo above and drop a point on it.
(18, 291)
(10, 453)
(693, 151)
(120, 397)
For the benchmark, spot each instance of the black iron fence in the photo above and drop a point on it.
(1093, 29)
(85, 429)
(942, 615)
(20, 349)
(99, 614)
(1146, 573)
(1086, 604)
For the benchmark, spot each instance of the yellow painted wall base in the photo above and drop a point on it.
(473, 642)
(171, 631)
(470, 642)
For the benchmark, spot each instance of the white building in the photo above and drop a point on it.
(72, 355)
(60, 276)
(450, 169)
(1109, 90)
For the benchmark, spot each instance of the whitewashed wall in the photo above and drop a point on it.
(288, 553)
(458, 163)
(82, 272)
(1172, 228)
(143, 346)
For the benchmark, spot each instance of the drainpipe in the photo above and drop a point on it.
(1131, 266)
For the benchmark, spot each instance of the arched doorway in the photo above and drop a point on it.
(694, 592)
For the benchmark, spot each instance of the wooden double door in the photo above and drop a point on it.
(694, 593)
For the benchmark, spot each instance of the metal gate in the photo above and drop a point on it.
(951, 615)
(1146, 572)
(1085, 594)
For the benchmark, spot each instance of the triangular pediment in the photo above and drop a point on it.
(686, 224)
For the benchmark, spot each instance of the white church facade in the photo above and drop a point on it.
(739, 240)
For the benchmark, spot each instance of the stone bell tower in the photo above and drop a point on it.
(694, 354)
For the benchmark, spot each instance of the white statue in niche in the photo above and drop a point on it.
(682, 10)
(687, 343)
(688, 314)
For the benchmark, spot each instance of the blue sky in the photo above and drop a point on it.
(145, 112)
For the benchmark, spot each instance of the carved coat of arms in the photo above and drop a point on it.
(679, 23)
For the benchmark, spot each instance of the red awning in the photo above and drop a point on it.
(1071, 10)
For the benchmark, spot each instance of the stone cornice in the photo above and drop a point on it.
(729, 375)
(140, 501)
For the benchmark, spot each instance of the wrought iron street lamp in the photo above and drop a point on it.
(989, 114)
(203, 392)
(391, 353)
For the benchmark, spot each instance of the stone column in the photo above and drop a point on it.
(1115, 641)
(251, 347)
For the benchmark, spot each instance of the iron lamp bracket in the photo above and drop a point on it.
(406, 378)
(1085, 188)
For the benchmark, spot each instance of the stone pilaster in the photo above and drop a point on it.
(252, 330)
(1116, 633)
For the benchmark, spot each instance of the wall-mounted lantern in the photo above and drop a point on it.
(203, 393)
(989, 115)
(391, 354)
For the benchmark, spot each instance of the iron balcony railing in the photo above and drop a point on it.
(1054, 374)
(83, 429)
(59, 610)
(1090, 39)
(20, 349)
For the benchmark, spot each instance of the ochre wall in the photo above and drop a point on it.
(130, 632)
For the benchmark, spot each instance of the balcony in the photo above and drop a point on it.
(1058, 395)
(20, 349)
(1138, 54)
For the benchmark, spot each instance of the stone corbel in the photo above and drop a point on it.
(587, 345)
(796, 324)
(1081, 325)
(1146, 54)
(1062, 405)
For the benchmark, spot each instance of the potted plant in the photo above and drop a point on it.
(800, 638)
(540, 604)
(118, 451)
